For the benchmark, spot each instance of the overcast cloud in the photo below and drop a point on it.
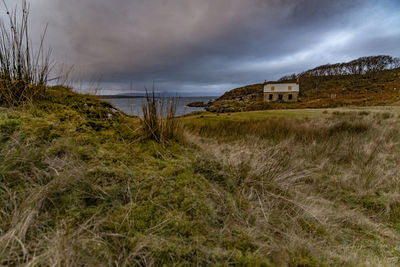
(206, 47)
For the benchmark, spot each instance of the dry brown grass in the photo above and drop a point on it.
(321, 191)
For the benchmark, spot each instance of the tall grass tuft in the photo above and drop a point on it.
(159, 122)
(23, 70)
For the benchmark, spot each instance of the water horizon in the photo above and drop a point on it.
(133, 105)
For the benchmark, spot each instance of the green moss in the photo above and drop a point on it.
(7, 128)
(211, 170)
(307, 261)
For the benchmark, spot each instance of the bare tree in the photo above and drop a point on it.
(362, 65)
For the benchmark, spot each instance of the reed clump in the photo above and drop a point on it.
(24, 70)
(158, 121)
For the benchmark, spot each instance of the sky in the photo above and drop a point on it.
(207, 47)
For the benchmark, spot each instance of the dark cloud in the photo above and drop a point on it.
(208, 46)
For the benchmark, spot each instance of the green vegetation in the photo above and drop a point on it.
(82, 184)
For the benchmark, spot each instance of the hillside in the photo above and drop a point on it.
(370, 88)
(249, 92)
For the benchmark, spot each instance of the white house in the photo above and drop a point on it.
(281, 91)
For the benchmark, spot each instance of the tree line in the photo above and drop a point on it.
(362, 65)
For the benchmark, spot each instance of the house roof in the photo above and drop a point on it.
(281, 82)
(281, 87)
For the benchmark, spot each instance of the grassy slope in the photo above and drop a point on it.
(362, 90)
(253, 89)
(79, 185)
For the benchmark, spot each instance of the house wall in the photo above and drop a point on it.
(281, 87)
(285, 96)
(285, 90)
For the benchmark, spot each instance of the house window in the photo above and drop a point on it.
(270, 96)
(290, 88)
(290, 97)
(272, 88)
(280, 97)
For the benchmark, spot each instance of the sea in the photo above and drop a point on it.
(133, 106)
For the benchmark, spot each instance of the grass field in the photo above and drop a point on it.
(80, 184)
(323, 182)
(290, 113)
